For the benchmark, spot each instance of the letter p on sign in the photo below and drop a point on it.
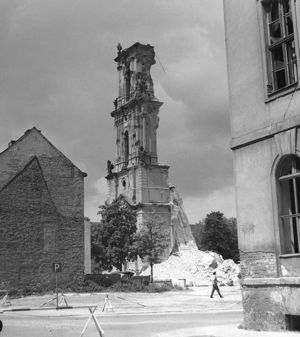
(56, 267)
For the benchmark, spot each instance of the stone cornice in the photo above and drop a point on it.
(264, 133)
(271, 281)
(156, 204)
(133, 102)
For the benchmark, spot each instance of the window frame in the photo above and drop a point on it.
(267, 66)
(293, 201)
(126, 147)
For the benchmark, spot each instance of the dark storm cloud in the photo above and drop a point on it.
(58, 73)
(197, 139)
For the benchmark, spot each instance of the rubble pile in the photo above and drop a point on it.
(188, 263)
(196, 267)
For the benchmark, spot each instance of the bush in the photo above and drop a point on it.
(160, 287)
(31, 289)
(128, 286)
(90, 286)
(103, 280)
(137, 286)
(100, 283)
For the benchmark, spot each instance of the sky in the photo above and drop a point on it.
(57, 73)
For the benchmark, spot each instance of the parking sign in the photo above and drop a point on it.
(57, 267)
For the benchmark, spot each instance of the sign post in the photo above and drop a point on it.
(56, 290)
(56, 268)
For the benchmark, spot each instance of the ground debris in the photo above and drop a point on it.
(196, 267)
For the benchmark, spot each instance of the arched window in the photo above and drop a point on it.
(126, 147)
(127, 83)
(288, 176)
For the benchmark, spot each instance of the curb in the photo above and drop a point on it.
(55, 313)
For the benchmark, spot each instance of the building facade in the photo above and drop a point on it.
(41, 214)
(136, 173)
(262, 42)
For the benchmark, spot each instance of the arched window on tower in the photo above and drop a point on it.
(288, 178)
(127, 84)
(126, 147)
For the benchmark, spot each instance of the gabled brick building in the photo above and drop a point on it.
(41, 213)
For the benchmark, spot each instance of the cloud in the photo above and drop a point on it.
(96, 199)
(58, 73)
(219, 200)
(198, 154)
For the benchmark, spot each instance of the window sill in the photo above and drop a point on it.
(287, 256)
(282, 92)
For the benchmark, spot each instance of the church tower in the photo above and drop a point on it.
(136, 173)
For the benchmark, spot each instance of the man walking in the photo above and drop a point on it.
(215, 286)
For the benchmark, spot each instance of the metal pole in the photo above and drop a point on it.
(56, 290)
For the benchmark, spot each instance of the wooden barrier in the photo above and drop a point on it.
(92, 310)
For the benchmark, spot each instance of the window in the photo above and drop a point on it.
(281, 55)
(126, 147)
(292, 322)
(289, 195)
(127, 82)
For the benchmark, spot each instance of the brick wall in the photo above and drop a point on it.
(41, 222)
(64, 180)
(258, 264)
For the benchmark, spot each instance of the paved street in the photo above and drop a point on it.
(146, 325)
(189, 313)
(133, 315)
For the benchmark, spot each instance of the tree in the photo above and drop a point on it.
(219, 235)
(113, 240)
(197, 231)
(151, 243)
(234, 239)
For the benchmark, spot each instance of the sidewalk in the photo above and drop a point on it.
(224, 331)
(193, 300)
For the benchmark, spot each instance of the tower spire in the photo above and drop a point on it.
(136, 108)
(136, 173)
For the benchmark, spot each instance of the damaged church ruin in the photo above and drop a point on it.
(262, 40)
(136, 173)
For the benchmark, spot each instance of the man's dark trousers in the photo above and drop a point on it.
(215, 287)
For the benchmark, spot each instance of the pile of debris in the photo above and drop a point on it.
(189, 265)
(196, 268)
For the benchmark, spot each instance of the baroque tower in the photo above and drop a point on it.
(136, 173)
